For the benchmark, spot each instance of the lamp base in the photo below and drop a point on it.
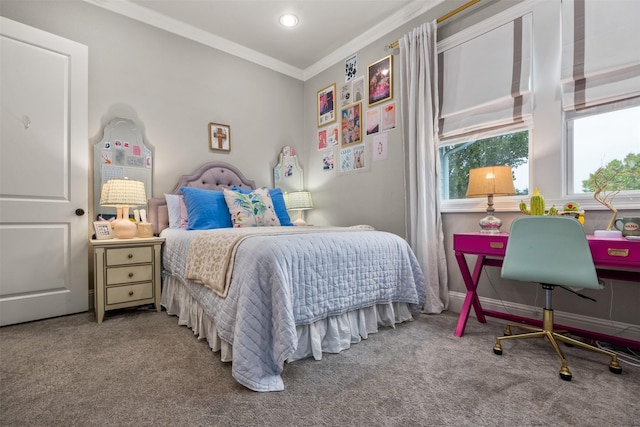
(300, 222)
(490, 225)
(124, 228)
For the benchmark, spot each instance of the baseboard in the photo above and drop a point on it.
(603, 326)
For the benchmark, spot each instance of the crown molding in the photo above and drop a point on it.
(190, 32)
(398, 19)
(166, 23)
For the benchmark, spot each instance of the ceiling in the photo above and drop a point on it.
(329, 31)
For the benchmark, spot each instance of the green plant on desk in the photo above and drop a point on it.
(537, 206)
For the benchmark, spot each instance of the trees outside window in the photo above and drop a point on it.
(511, 149)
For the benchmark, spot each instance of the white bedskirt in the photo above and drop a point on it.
(330, 335)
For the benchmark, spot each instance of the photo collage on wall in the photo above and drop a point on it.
(358, 118)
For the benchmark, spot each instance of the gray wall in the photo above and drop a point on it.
(376, 196)
(173, 87)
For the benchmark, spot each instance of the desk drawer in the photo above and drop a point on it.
(613, 253)
(482, 244)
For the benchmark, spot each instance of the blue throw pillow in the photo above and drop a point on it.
(206, 209)
(278, 203)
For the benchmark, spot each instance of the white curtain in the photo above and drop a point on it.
(418, 83)
(600, 52)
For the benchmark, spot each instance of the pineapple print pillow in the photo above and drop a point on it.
(254, 209)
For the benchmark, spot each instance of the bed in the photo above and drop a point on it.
(285, 293)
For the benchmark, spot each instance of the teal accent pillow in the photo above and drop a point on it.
(277, 198)
(206, 209)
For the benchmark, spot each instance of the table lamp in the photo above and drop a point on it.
(122, 194)
(490, 181)
(298, 201)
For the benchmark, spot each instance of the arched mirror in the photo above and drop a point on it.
(287, 174)
(120, 154)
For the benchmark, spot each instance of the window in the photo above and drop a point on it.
(595, 122)
(605, 137)
(456, 159)
(485, 102)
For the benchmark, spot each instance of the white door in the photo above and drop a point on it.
(43, 175)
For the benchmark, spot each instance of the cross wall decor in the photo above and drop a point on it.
(219, 137)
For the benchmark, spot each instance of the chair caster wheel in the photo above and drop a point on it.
(565, 376)
(497, 351)
(615, 369)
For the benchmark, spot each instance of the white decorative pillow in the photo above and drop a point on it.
(173, 206)
(254, 209)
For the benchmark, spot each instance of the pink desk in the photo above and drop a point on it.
(617, 259)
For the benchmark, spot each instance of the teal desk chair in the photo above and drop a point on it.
(551, 251)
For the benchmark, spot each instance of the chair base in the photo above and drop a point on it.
(553, 337)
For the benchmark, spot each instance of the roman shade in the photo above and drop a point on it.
(485, 81)
(600, 52)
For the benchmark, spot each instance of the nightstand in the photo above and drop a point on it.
(127, 273)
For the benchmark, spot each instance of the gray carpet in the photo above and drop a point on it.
(141, 368)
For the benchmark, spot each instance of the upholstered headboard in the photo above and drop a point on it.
(210, 176)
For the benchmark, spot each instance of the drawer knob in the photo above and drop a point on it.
(130, 293)
(130, 256)
(130, 274)
(496, 245)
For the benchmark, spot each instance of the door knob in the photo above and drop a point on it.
(79, 212)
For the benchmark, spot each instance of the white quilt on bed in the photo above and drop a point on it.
(212, 252)
(281, 281)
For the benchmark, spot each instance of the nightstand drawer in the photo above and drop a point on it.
(121, 256)
(120, 294)
(135, 273)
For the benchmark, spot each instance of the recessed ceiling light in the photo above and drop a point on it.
(289, 20)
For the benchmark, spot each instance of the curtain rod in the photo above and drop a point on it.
(442, 18)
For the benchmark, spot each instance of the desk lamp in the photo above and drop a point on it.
(490, 181)
(122, 194)
(298, 201)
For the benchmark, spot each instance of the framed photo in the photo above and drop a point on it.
(380, 80)
(103, 230)
(219, 137)
(327, 105)
(351, 124)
